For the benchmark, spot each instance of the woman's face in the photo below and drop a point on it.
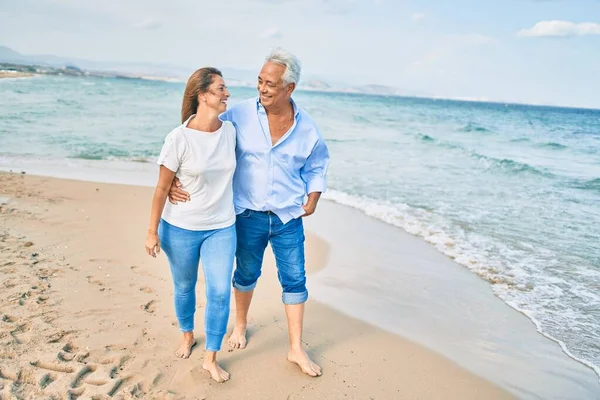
(217, 94)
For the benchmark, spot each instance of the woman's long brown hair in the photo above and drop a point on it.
(197, 84)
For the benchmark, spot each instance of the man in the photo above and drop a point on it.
(281, 158)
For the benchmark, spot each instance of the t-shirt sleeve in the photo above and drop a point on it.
(172, 152)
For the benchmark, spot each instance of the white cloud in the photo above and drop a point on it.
(418, 17)
(148, 24)
(561, 29)
(273, 33)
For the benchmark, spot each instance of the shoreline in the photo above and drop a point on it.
(442, 305)
(11, 74)
(141, 175)
(93, 304)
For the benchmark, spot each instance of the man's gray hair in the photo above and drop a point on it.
(292, 64)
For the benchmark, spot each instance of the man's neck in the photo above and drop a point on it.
(279, 110)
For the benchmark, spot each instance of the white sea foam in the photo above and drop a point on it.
(535, 294)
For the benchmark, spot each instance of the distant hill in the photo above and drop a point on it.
(241, 77)
(9, 55)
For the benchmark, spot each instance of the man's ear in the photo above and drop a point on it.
(290, 88)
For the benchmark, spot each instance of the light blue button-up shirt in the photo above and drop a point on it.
(276, 177)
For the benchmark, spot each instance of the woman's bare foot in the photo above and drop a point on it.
(307, 366)
(216, 372)
(237, 340)
(185, 349)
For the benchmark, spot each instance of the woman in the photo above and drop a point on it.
(201, 153)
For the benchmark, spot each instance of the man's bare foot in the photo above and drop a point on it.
(216, 372)
(185, 349)
(237, 340)
(300, 358)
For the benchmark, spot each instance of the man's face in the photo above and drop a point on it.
(271, 87)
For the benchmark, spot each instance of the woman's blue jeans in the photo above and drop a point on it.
(184, 250)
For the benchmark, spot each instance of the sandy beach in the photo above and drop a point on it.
(85, 313)
(15, 74)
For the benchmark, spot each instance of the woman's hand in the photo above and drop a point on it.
(152, 244)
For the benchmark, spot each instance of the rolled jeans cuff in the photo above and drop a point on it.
(294, 298)
(243, 288)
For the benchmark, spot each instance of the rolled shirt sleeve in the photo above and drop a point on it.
(314, 171)
(172, 152)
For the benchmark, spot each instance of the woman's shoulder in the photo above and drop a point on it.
(228, 127)
(177, 139)
(176, 133)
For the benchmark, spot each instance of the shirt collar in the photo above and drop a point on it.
(261, 108)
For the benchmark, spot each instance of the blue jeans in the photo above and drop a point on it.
(184, 250)
(255, 229)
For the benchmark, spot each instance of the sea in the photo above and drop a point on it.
(510, 192)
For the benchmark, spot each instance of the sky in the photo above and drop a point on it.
(527, 51)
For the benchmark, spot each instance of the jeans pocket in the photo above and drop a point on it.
(246, 214)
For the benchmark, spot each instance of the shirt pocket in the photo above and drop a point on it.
(293, 158)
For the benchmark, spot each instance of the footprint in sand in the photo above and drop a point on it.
(47, 380)
(68, 353)
(57, 336)
(8, 319)
(53, 367)
(10, 375)
(42, 299)
(101, 260)
(138, 270)
(21, 334)
(143, 272)
(94, 280)
(24, 297)
(149, 307)
(85, 371)
(95, 380)
(146, 289)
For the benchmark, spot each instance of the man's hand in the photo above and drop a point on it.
(309, 209)
(176, 194)
(311, 203)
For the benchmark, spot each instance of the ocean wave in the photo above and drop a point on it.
(520, 140)
(474, 128)
(110, 154)
(540, 329)
(441, 143)
(509, 165)
(425, 138)
(513, 286)
(590, 184)
(553, 145)
(418, 222)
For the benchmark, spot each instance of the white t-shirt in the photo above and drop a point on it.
(204, 162)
